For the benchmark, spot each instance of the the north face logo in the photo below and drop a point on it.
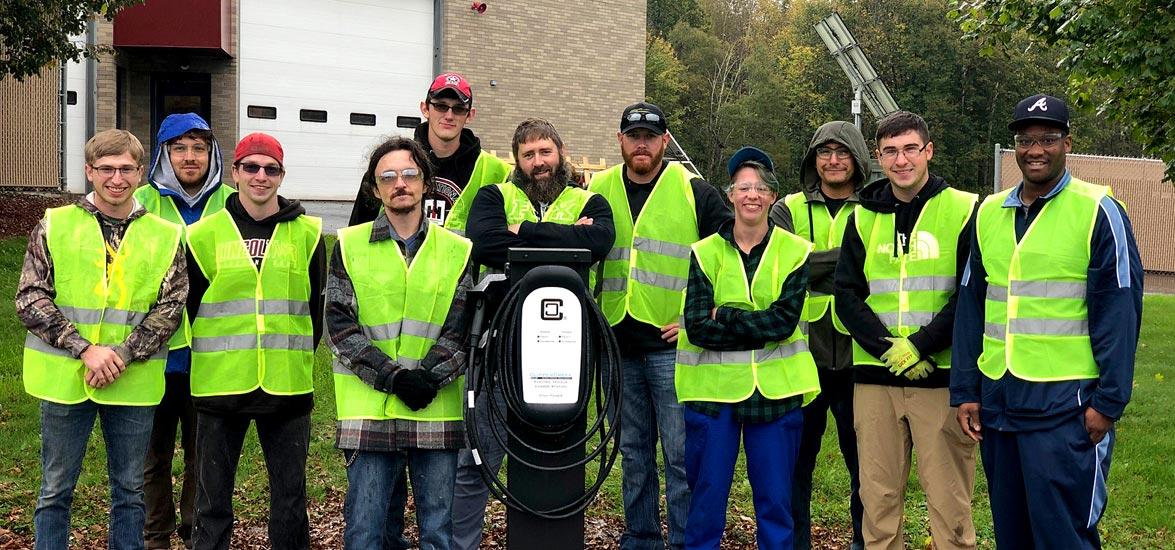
(1041, 103)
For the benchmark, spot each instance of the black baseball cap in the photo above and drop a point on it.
(1040, 109)
(643, 115)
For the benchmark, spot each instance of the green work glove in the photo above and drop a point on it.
(920, 370)
(900, 356)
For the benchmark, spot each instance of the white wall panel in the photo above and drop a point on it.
(341, 57)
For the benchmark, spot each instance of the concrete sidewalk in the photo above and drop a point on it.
(334, 214)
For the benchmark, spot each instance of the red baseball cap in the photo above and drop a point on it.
(454, 82)
(258, 143)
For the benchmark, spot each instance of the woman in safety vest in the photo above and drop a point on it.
(743, 365)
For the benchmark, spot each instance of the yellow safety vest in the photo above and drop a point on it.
(254, 327)
(487, 170)
(104, 306)
(164, 207)
(779, 369)
(826, 232)
(906, 290)
(402, 309)
(1036, 324)
(648, 266)
(565, 210)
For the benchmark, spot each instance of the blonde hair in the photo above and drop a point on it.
(114, 142)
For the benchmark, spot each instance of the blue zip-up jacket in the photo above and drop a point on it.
(1114, 300)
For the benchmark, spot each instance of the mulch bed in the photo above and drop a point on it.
(326, 531)
(20, 212)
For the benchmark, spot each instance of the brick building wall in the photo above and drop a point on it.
(576, 64)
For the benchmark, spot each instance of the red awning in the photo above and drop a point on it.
(199, 26)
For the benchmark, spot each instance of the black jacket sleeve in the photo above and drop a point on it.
(487, 228)
(711, 209)
(365, 209)
(597, 237)
(197, 285)
(851, 290)
(938, 334)
(317, 288)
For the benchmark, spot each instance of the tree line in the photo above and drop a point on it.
(754, 72)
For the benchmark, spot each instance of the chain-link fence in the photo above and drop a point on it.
(1138, 183)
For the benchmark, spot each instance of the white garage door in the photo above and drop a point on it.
(345, 61)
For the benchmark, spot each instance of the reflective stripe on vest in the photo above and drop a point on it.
(648, 266)
(826, 232)
(488, 170)
(105, 303)
(164, 207)
(1035, 313)
(253, 329)
(778, 369)
(404, 329)
(907, 289)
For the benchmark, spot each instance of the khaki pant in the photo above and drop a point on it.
(889, 422)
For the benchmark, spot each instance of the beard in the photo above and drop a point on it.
(639, 167)
(544, 190)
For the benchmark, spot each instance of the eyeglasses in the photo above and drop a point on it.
(409, 175)
(459, 110)
(1047, 141)
(108, 171)
(181, 149)
(270, 170)
(827, 153)
(909, 151)
(744, 188)
(637, 116)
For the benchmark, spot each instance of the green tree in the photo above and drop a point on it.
(664, 75)
(663, 15)
(36, 33)
(1117, 53)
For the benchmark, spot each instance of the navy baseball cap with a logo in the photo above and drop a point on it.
(1040, 109)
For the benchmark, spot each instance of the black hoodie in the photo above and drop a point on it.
(852, 287)
(257, 234)
(452, 175)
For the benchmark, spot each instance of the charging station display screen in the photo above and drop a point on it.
(551, 346)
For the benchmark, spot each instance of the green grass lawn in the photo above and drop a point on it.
(1141, 510)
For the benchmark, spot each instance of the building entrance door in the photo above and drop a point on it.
(179, 93)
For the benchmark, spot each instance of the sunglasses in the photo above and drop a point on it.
(271, 171)
(647, 117)
(443, 108)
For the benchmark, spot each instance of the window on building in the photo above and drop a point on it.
(407, 121)
(312, 115)
(363, 119)
(261, 111)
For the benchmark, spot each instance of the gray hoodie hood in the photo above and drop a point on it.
(845, 134)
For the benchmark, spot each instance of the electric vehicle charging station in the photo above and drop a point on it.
(544, 360)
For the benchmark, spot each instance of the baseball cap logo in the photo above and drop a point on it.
(1041, 103)
(452, 79)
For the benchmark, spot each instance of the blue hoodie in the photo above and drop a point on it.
(162, 176)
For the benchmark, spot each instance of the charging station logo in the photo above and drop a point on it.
(551, 309)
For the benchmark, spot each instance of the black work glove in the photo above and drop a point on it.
(415, 389)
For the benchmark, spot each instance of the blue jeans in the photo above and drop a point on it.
(372, 475)
(711, 452)
(65, 430)
(651, 413)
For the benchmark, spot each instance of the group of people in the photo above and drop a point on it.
(924, 320)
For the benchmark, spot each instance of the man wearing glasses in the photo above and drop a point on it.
(1048, 321)
(903, 252)
(834, 168)
(462, 167)
(659, 209)
(183, 186)
(398, 325)
(258, 272)
(101, 291)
